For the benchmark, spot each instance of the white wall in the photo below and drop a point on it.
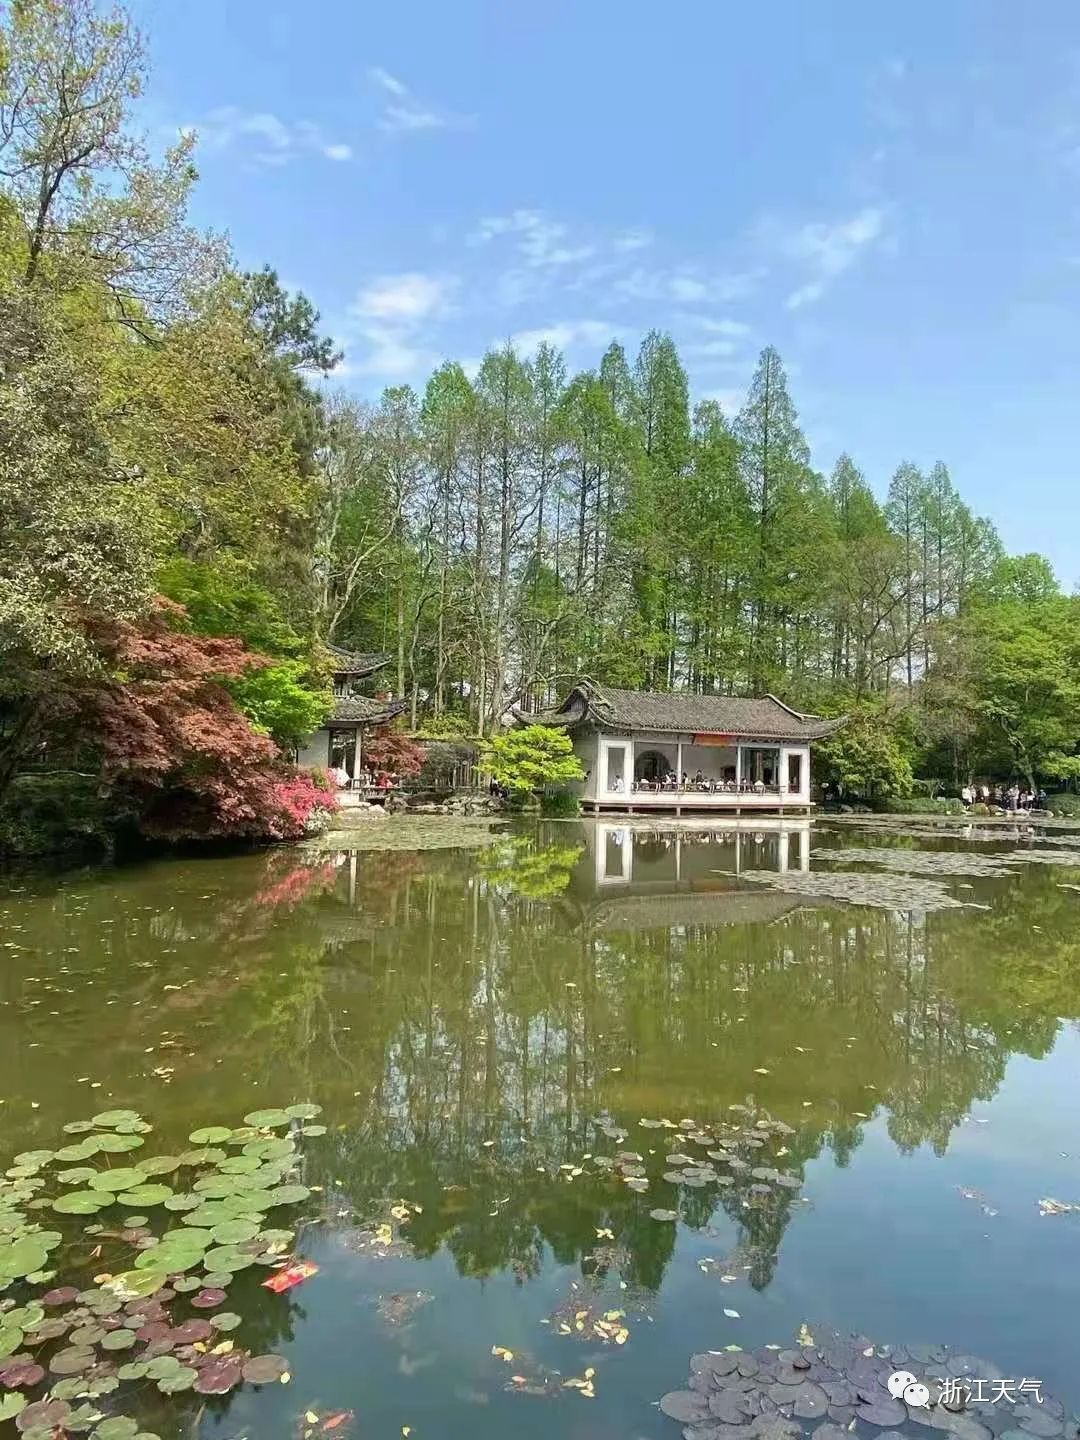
(803, 793)
(585, 750)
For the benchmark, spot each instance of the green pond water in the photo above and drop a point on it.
(480, 1023)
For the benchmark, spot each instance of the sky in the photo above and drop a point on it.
(889, 194)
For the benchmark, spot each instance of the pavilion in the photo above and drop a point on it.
(340, 742)
(644, 751)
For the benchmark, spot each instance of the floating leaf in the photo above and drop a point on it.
(118, 1340)
(117, 1427)
(20, 1258)
(265, 1369)
(225, 1320)
(159, 1164)
(233, 1232)
(664, 1214)
(109, 1118)
(210, 1135)
(136, 1284)
(183, 1379)
(208, 1299)
(219, 1377)
(303, 1112)
(116, 1144)
(285, 1279)
(11, 1337)
(267, 1120)
(288, 1194)
(147, 1195)
(12, 1405)
(115, 1180)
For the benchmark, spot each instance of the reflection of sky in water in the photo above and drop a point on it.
(434, 1002)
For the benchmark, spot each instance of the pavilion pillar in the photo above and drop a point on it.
(678, 763)
(738, 767)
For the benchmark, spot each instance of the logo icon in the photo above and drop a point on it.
(905, 1386)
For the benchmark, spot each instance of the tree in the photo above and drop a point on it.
(93, 206)
(528, 760)
(176, 749)
(77, 534)
(388, 748)
(866, 756)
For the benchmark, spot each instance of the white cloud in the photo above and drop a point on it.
(713, 349)
(730, 400)
(386, 322)
(405, 298)
(540, 240)
(404, 114)
(378, 76)
(827, 250)
(275, 141)
(566, 333)
(685, 285)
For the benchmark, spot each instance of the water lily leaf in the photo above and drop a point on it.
(184, 1379)
(664, 1214)
(34, 1158)
(277, 1147)
(208, 1299)
(265, 1369)
(12, 1405)
(210, 1135)
(311, 1131)
(219, 1376)
(207, 1156)
(232, 1232)
(239, 1165)
(115, 1144)
(288, 1194)
(116, 1427)
(20, 1257)
(193, 1332)
(80, 1202)
(227, 1257)
(136, 1284)
(11, 1337)
(225, 1320)
(62, 1295)
(72, 1361)
(267, 1120)
(118, 1340)
(77, 1176)
(303, 1112)
(147, 1195)
(135, 1370)
(22, 1372)
(186, 1283)
(117, 1179)
(82, 1151)
(77, 1127)
(159, 1164)
(183, 1202)
(218, 1279)
(109, 1118)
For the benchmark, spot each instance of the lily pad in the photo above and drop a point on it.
(12, 1405)
(303, 1112)
(183, 1379)
(208, 1299)
(267, 1120)
(22, 1257)
(72, 1361)
(116, 1427)
(118, 1340)
(219, 1376)
(288, 1194)
(116, 1180)
(80, 1202)
(44, 1414)
(265, 1369)
(225, 1320)
(233, 1232)
(210, 1135)
(664, 1214)
(159, 1164)
(117, 1144)
(11, 1337)
(147, 1195)
(109, 1118)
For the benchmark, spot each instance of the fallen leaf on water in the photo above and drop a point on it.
(605, 1234)
(292, 1275)
(1056, 1207)
(732, 1314)
(501, 1352)
(334, 1421)
(760, 1070)
(805, 1337)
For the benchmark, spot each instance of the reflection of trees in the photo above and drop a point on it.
(435, 1002)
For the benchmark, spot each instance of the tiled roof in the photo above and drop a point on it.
(622, 710)
(360, 710)
(358, 662)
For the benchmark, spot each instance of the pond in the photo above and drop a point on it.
(596, 1098)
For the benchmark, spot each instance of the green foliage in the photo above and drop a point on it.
(919, 805)
(53, 813)
(868, 756)
(530, 759)
(222, 598)
(450, 725)
(1065, 804)
(559, 804)
(280, 700)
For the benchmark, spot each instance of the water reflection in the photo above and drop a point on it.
(465, 1018)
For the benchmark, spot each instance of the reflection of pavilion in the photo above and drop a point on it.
(696, 857)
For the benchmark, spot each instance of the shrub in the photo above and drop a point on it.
(559, 804)
(921, 805)
(526, 761)
(1066, 804)
(55, 814)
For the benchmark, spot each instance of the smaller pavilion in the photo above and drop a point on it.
(340, 742)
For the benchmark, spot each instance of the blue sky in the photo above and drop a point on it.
(889, 194)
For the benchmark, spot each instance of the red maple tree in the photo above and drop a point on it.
(174, 742)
